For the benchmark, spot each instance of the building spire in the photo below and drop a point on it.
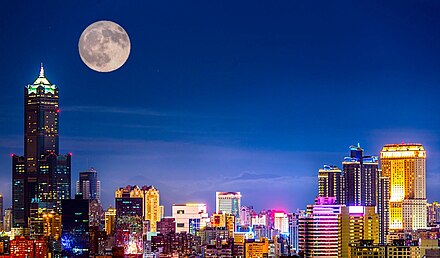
(41, 70)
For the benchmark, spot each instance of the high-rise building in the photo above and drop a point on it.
(281, 222)
(110, 220)
(7, 220)
(405, 166)
(190, 217)
(152, 211)
(42, 175)
(319, 228)
(75, 239)
(383, 208)
(129, 214)
(152, 208)
(357, 223)
(246, 213)
(330, 183)
(433, 214)
(88, 185)
(293, 231)
(360, 178)
(228, 202)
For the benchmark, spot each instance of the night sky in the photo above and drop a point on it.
(250, 96)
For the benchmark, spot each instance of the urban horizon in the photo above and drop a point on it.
(232, 129)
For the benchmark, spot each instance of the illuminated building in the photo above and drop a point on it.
(319, 228)
(190, 217)
(246, 213)
(226, 221)
(23, 247)
(129, 211)
(360, 178)
(293, 230)
(281, 222)
(367, 249)
(4, 246)
(75, 239)
(256, 249)
(357, 223)
(88, 185)
(109, 220)
(210, 234)
(166, 226)
(405, 166)
(7, 220)
(228, 202)
(45, 224)
(330, 183)
(383, 205)
(41, 175)
(152, 211)
(152, 207)
(433, 214)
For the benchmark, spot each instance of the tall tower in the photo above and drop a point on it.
(41, 176)
(405, 166)
(360, 178)
(330, 183)
(88, 185)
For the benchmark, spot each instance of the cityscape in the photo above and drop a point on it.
(247, 170)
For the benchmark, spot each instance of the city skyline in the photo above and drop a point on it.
(217, 114)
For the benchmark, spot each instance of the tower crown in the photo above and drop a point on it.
(41, 81)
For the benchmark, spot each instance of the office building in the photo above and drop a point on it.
(228, 202)
(319, 228)
(88, 185)
(75, 239)
(281, 222)
(190, 217)
(110, 220)
(360, 178)
(405, 166)
(383, 206)
(433, 214)
(330, 183)
(152, 211)
(7, 220)
(129, 213)
(42, 175)
(357, 223)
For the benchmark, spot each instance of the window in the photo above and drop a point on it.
(180, 225)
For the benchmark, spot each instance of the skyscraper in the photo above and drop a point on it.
(228, 202)
(319, 228)
(383, 207)
(405, 166)
(41, 176)
(152, 208)
(360, 178)
(330, 183)
(75, 227)
(129, 212)
(88, 185)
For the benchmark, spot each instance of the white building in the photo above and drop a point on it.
(190, 217)
(228, 202)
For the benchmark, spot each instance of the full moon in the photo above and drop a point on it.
(104, 46)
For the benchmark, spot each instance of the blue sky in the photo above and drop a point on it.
(250, 96)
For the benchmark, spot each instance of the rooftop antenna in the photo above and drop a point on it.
(41, 70)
